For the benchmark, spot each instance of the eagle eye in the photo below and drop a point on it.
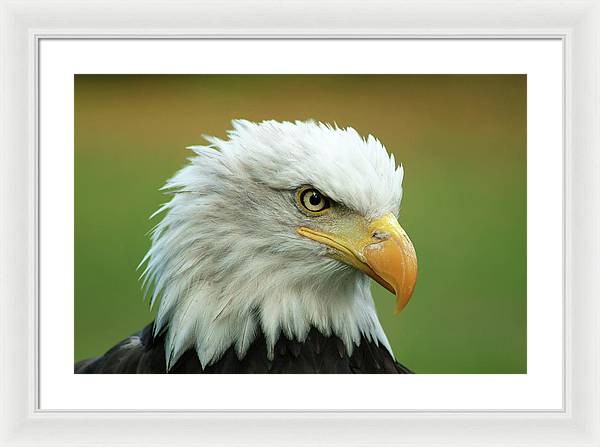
(312, 201)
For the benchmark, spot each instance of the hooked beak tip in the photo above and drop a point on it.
(394, 261)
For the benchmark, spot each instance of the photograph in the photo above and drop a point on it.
(300, 224)
(361, 225)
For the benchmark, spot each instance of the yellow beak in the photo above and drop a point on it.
(381, 249)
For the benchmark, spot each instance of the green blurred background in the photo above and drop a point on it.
(461, 138)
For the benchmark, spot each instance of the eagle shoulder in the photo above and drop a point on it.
(137, 354)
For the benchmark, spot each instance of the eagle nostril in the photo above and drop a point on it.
(380, 235)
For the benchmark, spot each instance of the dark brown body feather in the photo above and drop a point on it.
(144, 354)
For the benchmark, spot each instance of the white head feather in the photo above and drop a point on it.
(226, 260)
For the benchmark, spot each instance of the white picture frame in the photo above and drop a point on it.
(23, 24)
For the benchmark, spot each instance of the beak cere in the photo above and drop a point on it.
(383, 251)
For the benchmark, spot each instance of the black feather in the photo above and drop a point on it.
(144, 353)
(341, 348)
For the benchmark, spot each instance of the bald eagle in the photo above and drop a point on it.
(261, 263)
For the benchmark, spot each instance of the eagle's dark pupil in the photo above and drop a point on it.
(314, 199)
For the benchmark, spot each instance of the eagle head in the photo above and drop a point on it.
(277, 229)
